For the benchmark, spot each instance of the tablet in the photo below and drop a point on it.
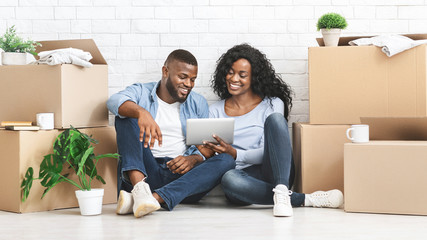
(202, 129)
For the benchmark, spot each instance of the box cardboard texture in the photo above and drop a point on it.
(386, 177)
(23, 149)
(349, 82)
(76, 95)
(319, 156)
(396, 128)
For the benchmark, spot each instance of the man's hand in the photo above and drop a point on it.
(146, 123)
(148, 126)
(182, 165)
(205, 151)
(221, 147)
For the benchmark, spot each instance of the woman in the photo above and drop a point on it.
(259, 101)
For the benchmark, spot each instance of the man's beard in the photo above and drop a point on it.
(174, 91)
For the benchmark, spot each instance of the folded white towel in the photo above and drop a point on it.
(391, 44)
(65, 55)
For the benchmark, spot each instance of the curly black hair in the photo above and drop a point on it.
(265, 82)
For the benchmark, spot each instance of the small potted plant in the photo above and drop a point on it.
(72, 153)
(15, 48)
(330, 25)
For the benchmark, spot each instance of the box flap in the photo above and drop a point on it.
(87, 45)
(396, 128)
(344, 40)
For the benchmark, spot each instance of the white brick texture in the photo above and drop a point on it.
(135, 36)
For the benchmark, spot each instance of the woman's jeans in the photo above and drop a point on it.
(254, 184)
(172, 188)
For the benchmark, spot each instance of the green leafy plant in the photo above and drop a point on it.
(73, 149)
(331, 20)
(10, 42)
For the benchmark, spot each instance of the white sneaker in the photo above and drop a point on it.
(282, 201)
(329, 199)
(124, 203)
(144, 202)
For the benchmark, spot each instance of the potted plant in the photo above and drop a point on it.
(330, 25)
(72, 153)
(15, 48)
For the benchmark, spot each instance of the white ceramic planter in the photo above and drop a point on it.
(1, 56)
(13, 58)
(90, 202)
(331, 36)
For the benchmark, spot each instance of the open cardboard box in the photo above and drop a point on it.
(346, 39)
(349, 82)
(23, 149)
(77, 96)
(394, 158)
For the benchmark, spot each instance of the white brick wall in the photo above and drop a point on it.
(135, 36)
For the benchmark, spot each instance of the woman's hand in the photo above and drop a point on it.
(221, 147)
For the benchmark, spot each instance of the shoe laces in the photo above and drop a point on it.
(139, 187)
(282, 196)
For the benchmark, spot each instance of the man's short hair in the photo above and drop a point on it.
(182, 56)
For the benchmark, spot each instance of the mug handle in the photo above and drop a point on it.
(348, 134)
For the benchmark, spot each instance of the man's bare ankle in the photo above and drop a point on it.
(158, 198)
(136, 176)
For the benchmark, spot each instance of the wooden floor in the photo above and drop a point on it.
(212, 218)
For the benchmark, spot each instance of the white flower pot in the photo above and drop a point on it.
(1, 56)
(331, 36)
(14, 58)
(90, 202)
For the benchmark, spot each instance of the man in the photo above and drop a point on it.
(155, 163)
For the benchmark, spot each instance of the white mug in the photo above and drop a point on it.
(359, 133)
(45, 121)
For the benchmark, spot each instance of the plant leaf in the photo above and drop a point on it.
(107, 155)
(27, 182)
(100, 179)
(50, 172)
(11, 42)
(82, 163)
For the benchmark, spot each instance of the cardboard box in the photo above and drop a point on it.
(76, 95)
(319, 156)
(396, 128)
(23, 149)
(386, 177)
(349, 82)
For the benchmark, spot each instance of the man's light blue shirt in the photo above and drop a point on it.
(195, 106)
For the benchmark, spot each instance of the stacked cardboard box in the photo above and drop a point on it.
(77, 96)
(385, 177)
(318, 156)
(23, 149)
(349, 82)
(390, 161)
(345, 84)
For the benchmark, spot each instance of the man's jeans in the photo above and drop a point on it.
(254, 184)
(172, 188)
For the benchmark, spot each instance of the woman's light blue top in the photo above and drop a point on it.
(249, 129)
